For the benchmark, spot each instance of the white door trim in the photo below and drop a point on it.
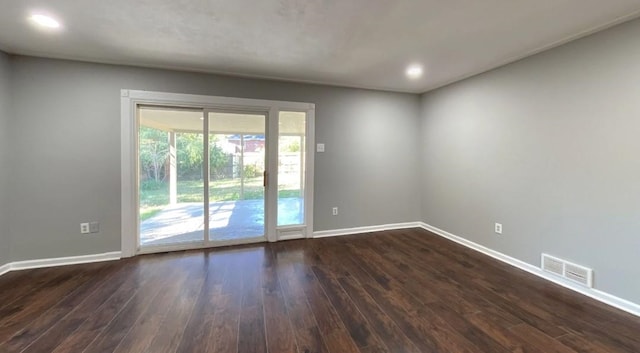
(130, 99)
(271, 193)
(310, 149)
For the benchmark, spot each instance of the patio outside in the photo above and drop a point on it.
(232, 219)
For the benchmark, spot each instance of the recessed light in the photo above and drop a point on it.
(44, 21)
(414, 71)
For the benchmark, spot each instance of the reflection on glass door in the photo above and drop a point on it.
(291, 168)
(171, 187)
(237, 150)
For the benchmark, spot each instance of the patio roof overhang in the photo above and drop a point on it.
(191, 121)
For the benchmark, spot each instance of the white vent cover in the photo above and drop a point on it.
(575, 273)
(553, 265)
(578, 274)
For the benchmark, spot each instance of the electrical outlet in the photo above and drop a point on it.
(499, 228)
(335, 211)
(84, 228)
(94, 227)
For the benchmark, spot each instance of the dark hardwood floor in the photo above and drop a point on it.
(395, 291)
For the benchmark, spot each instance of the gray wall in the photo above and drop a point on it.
(550, 148)
(66, 128)
(5, 92)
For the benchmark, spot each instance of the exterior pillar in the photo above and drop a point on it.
(173, 169)
(241, 166)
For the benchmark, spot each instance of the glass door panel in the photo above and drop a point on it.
(291, 167)
(170, 174)
(237, 150)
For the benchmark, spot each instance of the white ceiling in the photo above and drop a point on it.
(357, 43)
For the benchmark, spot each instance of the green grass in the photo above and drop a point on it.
(148, 212)
(153, 199)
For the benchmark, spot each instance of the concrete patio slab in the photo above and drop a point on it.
(228, 220)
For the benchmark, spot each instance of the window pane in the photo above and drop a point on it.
(171, 195)
(291, 167)
(237, 147)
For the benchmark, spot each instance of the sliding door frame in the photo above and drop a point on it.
(131, 99)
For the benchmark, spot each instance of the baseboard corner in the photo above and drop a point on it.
(603, 297)
(5, 268)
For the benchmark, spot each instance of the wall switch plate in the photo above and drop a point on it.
(94, 227)
(320, 147)
(334, 211)
(84, 228)
(499, 228)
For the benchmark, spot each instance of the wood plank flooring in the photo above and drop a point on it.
(387, 292)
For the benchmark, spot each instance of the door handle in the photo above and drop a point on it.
(264, 179)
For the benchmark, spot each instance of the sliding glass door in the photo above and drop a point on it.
(214, 171)
(171, 188)
(190, 186)
(237, 165)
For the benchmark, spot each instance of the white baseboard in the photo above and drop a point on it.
(367, 229)
(5, 268)
(596, 294)
(60, 261)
